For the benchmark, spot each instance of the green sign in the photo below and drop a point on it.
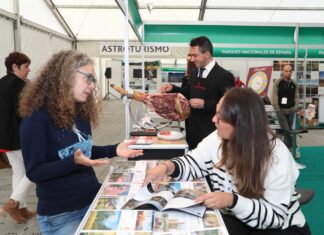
(315, 53)
(254, 52)
(267, 52)
(166, 69)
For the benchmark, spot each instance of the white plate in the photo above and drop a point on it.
(174, 135)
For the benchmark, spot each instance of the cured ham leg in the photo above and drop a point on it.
(172, 106)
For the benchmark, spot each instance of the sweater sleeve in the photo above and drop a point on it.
(104, 151)
(279, 200)
(16, 88)
(175, 89)
(34, 144)
(198, 162)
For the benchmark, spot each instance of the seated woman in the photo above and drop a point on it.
(252, 172)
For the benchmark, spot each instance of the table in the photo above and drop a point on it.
(106, 216)
(161, 149)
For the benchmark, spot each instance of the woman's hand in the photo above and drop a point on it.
(155, 174)
(216, 200)
(123, 150)
(81, 159)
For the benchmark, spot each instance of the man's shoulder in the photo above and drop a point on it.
(219, 69)
(277, 81)
(294, 82)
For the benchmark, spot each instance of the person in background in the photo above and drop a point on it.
(11, 85)
(285, 99)
(248, 166)
(207, 84)
(59, 108)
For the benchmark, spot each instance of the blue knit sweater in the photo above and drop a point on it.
(61, 185)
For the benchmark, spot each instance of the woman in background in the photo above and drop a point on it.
(11, 85)
(59, 108)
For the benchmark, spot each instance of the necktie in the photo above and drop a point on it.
(200, 73)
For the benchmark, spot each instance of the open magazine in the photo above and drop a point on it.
(168, 199)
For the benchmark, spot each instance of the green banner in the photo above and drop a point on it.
(315, 53)
(167, 69)
(267, 52)
(256, 52)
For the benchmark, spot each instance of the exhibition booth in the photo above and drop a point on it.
(136, 45)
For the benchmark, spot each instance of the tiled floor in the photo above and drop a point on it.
(111, 130)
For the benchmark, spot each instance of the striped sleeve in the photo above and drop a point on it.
(199, 162)
(278, 208)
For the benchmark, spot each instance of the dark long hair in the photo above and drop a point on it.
(247, 154)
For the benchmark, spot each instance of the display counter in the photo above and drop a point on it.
(107, 216)
(161, 149)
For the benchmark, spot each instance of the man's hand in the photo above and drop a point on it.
(81, 159)
(197, 103)
(166, 88)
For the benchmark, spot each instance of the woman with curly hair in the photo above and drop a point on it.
(59, 108)
(252, 172)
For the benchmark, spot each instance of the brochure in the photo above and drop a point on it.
(169, 199)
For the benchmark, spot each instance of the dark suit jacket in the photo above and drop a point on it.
(10, 89)
(211, 89)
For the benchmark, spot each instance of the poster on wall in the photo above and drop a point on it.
(259, 79)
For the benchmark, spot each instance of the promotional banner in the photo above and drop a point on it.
(134, 49)
(267, 52)
(259, 79)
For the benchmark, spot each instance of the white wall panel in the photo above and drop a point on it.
(36, 45)
(39, 46)
(38, 12)
(58, 44)
(6, 42)
(7, 5)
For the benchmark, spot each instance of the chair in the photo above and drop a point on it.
(306, 194)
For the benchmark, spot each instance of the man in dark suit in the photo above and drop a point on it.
(11, 85)
(207, 84)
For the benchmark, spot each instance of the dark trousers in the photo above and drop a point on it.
(237, 227)
(286, 120)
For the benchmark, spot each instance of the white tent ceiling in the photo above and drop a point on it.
(103, 19)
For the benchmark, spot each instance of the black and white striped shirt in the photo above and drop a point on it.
(279, 207)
